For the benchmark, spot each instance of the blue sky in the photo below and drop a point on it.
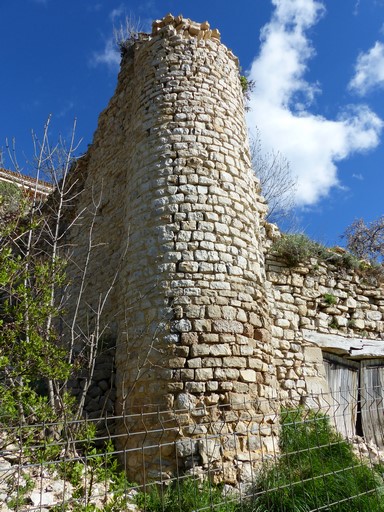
(318, 68)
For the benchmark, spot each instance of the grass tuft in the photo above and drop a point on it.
(317, 469)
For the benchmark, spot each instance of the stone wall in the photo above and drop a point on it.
(203, 329)
(319, 307)
(172, 207)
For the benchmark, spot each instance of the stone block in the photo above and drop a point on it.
(220, 349)
(227, 326)
(210, 450)
(200, 350)
(204, 374)
(194, 363)
(234, 362)
(186, 447)
(214, 312)
(182, 325)
(195, 387)
(226, 374)
(248, 375)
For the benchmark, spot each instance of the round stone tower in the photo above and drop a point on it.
(179, 218)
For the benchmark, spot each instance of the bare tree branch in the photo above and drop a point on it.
(366, 240)
(278, 185)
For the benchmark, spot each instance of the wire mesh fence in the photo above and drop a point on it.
(304, 463)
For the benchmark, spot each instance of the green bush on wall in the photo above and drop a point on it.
(297, 248)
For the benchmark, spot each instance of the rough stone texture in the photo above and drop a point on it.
(177, 230)
(305, 324)
(204, 326)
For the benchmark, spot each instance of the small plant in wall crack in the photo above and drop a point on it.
(334, 324)
(330, 299)
(247, 87)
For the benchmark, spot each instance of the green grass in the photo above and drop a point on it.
(317, 469)
(186, 495)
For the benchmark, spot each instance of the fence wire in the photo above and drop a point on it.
(326, 455)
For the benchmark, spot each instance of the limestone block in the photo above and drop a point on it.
(210, 450)
(176, 362)
(316, 385)
(226, 374)
(351, 303)
(202, 325)
(195, 429)
(374, 316)
(195, 363)
(288, 384)
(245, 350)
(234, 362)
(182, 325)
(209, 337)
(185, 374)
(212, 386)
(200, 350)
(282, 322)
(277, 332)
(248, 375)
(214, 312)
(227, 326)
(195, 387)
(257, 364)
(186, 447)
(220, 349)
(204, 374)
(359, 324)
(189, 338)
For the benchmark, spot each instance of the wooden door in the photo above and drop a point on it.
(343, 378)
(372, 400)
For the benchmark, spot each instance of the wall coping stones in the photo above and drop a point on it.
(354, 348)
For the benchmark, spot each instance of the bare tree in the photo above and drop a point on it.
(366, 240)
(278, 184)
(126, 33)
(34, 254)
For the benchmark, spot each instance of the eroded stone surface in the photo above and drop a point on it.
(205, 328)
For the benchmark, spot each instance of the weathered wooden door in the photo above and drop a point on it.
(343, 380)
(372, 400)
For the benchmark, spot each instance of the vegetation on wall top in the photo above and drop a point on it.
(297, 248)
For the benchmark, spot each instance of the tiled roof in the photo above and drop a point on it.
(28, 182)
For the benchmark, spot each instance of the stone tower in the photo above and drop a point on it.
(178, 249)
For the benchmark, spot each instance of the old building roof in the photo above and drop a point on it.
(43, 188)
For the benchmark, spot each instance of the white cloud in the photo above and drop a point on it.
(281, 99)
(369, 70)
(116, 13)
(123, 27)
(109, 56)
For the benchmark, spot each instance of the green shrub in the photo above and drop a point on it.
(297, 248)
(11, 199)
(317, 470)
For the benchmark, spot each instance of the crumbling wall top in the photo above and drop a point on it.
(186, 27)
